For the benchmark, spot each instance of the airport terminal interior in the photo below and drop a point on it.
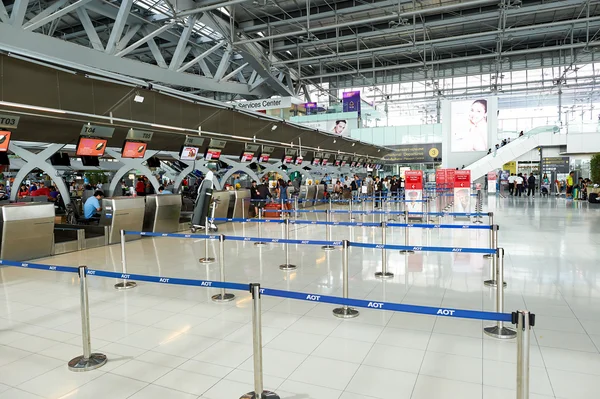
(263, 199)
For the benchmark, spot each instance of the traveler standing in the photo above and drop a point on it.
(570, 179)
(525, 183)
(531, 185)
(511, 184)
(282, 195)
(254, 198)
(140, 187)
(519, 184)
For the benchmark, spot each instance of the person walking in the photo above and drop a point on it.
(519, 184)
(531, 185)
(511, 184)
(282, 195)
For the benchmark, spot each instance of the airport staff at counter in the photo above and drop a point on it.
(161, 190)
(92, 205)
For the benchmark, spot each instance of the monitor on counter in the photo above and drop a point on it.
(153, 162)
(337, 162)
(316, 161)
(299, 160)
(88, 160)
(91, 147)
(4, 140)
(287, 159)
(188, 153)
(353, 164)
(134, 149)
(212, 154)
(264, 157)
(247, 156)
(343, 163)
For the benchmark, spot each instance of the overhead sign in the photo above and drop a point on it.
(290, 151)
(413, 179)
(268, 149)
(252, 147)
(415, 153)
(556, 164)
(140, 135)
(9, 121)
(270, 103)
(214, 143)
(193, 141)
(97, 131)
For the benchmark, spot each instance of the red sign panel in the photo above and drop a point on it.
(413, 180)
(450, 178)
(440, 178)
(462, 178)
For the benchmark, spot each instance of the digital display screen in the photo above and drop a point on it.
(212, 154)
(188, 153)
(246, 156)
(324, 162)
(134, 149)
(353, 164)
(264, 157)
(299, 160)
(316, 161)
(377, 166)
(4, 140)
(288, 159)
(343, 163)
(91, 147)
(337, 162)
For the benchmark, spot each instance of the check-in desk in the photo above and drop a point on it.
(162, 213)
(222, 198)
(242, 202)
(26, 231)
(311, 194)
(122, 213)
(302, 199)
(320, 193)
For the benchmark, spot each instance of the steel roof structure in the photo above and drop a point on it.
(235, 49)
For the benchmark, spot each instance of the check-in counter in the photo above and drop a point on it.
(222, 198)
(242, 202)
(320, 193)
(122, 213)
(311, 194)
(26, 230)
(70, 238)
(162, 213)
(302, 199)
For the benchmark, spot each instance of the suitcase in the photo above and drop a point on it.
(272, 211)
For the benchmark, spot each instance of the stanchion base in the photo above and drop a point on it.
(223, 298)
(345, 313)
(287, 266)
(206, 260)
(500, 332)
(492, 283)
(95, 361)
(265, 395)
(328, 247)
(488, 256)
(406, 251)
(260, 244)
(384, 275)
(125, 285)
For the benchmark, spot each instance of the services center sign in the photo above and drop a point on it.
(269, 103)
(415, 153)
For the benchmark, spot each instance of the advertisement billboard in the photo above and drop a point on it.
(341, 127)
(469, 128)
(351, 101)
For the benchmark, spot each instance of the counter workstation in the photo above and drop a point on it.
(26, 231)
(122, 213)
(162, 213)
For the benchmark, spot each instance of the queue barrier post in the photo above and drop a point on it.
(88, 361)
(492, 245)
(384, 273)
(125, 284)
(206, 259)
(223, 296)
(259, 229)
(296, 208)
(525, 320)
(259, 392)
(499, 331)
(287, 265)
(345, 312)
(406, 232)
(492, 281)
(328, 233)
(351, 211)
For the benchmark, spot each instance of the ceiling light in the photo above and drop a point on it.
(167, 127)
(274, 127)
(138, 99)
(353, 144)
(33, 107)
(378, 150)
(334, 141)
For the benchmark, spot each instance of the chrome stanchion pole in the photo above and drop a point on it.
(296, 208)
(406, 239)
(384, 273)
(499, 331)
(287, 265)
(125, 284)
(330, 204)
(492, 245)
(328, 233)
(259, 392)
(206, 259)
(351, 211)
(427, 210)
(492, 281)
(88, 361)
(259, 227)
(525, 321)
(223, 296)
(345, 312)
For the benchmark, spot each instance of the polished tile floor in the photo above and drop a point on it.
(172, 342)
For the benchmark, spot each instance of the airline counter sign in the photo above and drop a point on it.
(9, 121)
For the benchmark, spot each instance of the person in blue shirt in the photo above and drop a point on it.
(161, 190)
(92, 205)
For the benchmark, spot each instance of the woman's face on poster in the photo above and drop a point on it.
(477, 114)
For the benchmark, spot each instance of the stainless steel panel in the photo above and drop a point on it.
(320, 192)
(302, 196)
(222, 198)
(27, 231)
(122, 213)
(162, 213)
(242, 202)
(311, 193)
